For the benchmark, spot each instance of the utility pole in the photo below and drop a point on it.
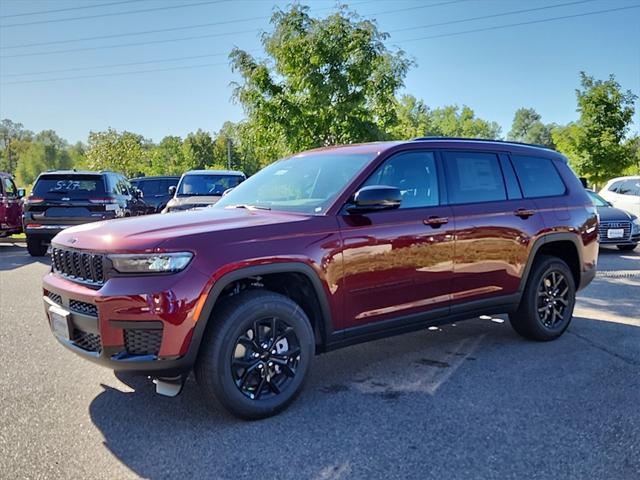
(229, 153)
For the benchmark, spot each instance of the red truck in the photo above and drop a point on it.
(10, 206)
(322, 250)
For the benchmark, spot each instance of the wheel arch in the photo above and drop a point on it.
(563, 245)
(319, 313)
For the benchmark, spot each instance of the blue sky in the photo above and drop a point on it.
(494, 71)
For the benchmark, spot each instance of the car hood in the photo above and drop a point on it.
(192, 202)
(146, 233)
(612, 214)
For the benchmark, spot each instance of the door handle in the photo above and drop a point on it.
(435, 222)
(524, 213)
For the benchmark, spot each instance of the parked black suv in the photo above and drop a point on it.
(155, 190)
(61, 199)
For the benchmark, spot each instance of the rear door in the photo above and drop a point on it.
(495, 225)
(399, 262)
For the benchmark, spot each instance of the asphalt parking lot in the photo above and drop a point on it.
(470, 400)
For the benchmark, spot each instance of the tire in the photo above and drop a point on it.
(540, 294)
(627, 248)
(36, 247)
(227, 370)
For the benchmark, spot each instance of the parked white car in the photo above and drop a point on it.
(623, 193)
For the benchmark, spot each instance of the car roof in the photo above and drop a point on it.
(443, 142)
(155, 177)
(214, 172)
(74, 172)
(629, 177)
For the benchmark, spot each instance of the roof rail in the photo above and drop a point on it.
(492, 140)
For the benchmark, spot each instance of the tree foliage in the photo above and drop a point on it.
(326, 81)
(595, 144)
(124, 152)
(528, 127)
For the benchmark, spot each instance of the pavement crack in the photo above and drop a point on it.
(628, 361)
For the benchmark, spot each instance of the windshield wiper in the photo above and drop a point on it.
(249, 207)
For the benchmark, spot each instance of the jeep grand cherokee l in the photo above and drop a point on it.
(321, 250)
(64, 198)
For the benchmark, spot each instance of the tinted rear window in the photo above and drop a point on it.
(69, 186)
(474, 177)
(155, 187)
(538, 177)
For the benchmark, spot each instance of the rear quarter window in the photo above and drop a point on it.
(538, 176)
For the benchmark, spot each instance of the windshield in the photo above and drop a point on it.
(203, 185)
(70, 186)
(597, 200)
(307, 183)
(156, 186)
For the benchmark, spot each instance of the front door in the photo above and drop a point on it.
(399, 262)
(13, 204)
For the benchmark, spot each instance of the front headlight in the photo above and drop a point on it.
(151, 263)
(635, 229)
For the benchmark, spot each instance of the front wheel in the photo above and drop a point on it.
(255, 354)
(546, 307)
(36, 247)
(627, 248)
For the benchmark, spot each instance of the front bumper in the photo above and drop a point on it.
(144, 325)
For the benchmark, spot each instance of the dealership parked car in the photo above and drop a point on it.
(63, 198)
(624, 193)
(617, 227)
(322, 250)
(10, 206)
(156, 190)
(202, 188)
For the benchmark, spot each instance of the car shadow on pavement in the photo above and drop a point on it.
(358, 415)
(14, 255)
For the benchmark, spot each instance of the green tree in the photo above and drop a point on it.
(528, 127)
(326, 81)
(595, 144)
(13, 139)
(124, 152)
(167, 158)
(451, 121)
(47, 151)
(413, 118)
(197, 149)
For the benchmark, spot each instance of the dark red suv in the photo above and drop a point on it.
(322, 250)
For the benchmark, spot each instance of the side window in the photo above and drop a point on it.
(615, 186)
(630, 187)
(414, 174)
(127, 186)
(538, 177)
(9, 187)
(112, 182)
(474, 177)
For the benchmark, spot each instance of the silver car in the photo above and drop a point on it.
(202, 188)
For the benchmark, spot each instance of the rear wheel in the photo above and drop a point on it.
(627, 248)
(546, 307)
(256, 354)
(36, 247)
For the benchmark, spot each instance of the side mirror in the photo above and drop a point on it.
(375, 198)
(172, 190)
(138, 192)
(21, 193)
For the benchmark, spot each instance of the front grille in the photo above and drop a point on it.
(83, 307)
(604, 226)
(78, 266)
(54, 297)
(142, 341)
(87, 341)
